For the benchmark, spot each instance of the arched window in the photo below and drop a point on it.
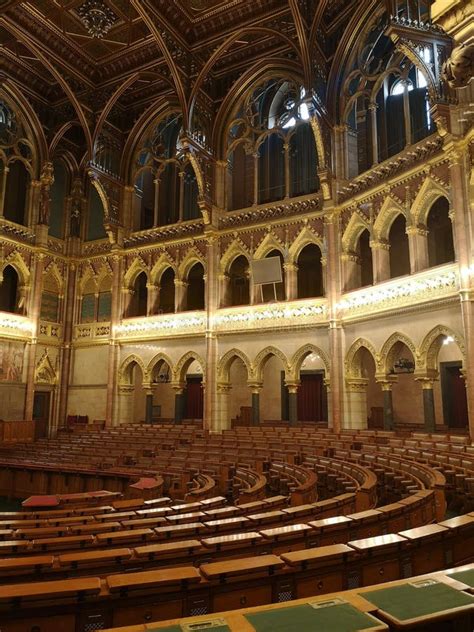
(139, 302)
(196, 288)
(50, 300)
(399, 249)
(58, 194)
(310, 272)
(239, 281)
(271, 169)
(89, 302)
(9, 294)
(144, 201)
(104, 307)
(17, 193)
(440, 234)
(191, 194)
(365, 258)
(240, 178)
(167, 291)
(95, 225)
(303, 161)
(169, 189)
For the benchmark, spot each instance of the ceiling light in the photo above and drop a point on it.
(97, 17)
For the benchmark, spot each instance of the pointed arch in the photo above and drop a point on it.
(137, 267)
(236, 249)
(223, 370)
(304, 238)
(44, 370)
(391, 208)
(164, 262)
(192, 257)
(432, 343)
(159, 357)
(54, 271)
(261, 359)
(269, 243)
(388, 350)
(183, 364)
(126, 368)
(302, 353)
(429, 192)
(356, 226)
(16, 261)
(350, 365)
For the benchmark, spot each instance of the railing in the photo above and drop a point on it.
(92, 331)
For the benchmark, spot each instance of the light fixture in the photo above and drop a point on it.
(97, 17)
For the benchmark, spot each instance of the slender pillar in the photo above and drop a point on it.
(406, 114)
(336, 332)
(380, 260)
(34, 314)
(351, 266)
(255, 178)
(286, 150)
(356, 392)
(112, 377)
(224, 290)
(67, 338)
(3, 188)
(211, 400)
(292, 401)
(156, 202)
(181, 195)
(223, 419)
(153, 297)
(375, 141)
(291, 281)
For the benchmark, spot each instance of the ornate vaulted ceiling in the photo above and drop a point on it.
(175, 49)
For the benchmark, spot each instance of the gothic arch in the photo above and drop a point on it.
(385, 358)
(356, 226)
(16, 261)
(391, 208)
(350, 365)
(160, 357)
(429, 192)
(192, 257)
(163, 263)
(137, 267)
(258, 364)
(226, 362)
(431, 345)
(179, 372)
(306, 236)
(302, 353)
(236, 249)
(53, 271)
(269, 243)
(125, 371)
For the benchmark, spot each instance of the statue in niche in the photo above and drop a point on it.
(46, 180)
(76, 208)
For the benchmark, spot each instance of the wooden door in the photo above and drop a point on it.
(454, 395)
(310, 397)
(194, 405)
(41, 412)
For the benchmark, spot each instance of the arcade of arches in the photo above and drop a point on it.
(137, 205)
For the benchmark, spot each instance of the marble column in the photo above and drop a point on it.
(418, 245)
(223, 418)
(68, 320)
(406, 114)
(380, 260)
(255, 179)
(255, 389)
(286, 150)
(292, 401)
(428, 404)
(178, 402)
(125, 403)
(351, 267)
(210, 418)
(153, 298)
(224, 290)
(375, 139)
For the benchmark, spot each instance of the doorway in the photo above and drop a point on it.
(194, 400)
(41, 411)
(312, 403)
(453, 389)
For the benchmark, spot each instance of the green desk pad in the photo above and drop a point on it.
(466, 577)
(179, 628)
(410, 602)
(341, 617)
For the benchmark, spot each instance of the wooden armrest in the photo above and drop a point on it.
(243, 566)
(150, 579)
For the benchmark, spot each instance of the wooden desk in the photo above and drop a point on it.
(151, 579)
(153, 551)
(230, 541)
(220, 570)
(94, 557)
(51, 590)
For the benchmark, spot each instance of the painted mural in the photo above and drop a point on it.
(11, 361)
